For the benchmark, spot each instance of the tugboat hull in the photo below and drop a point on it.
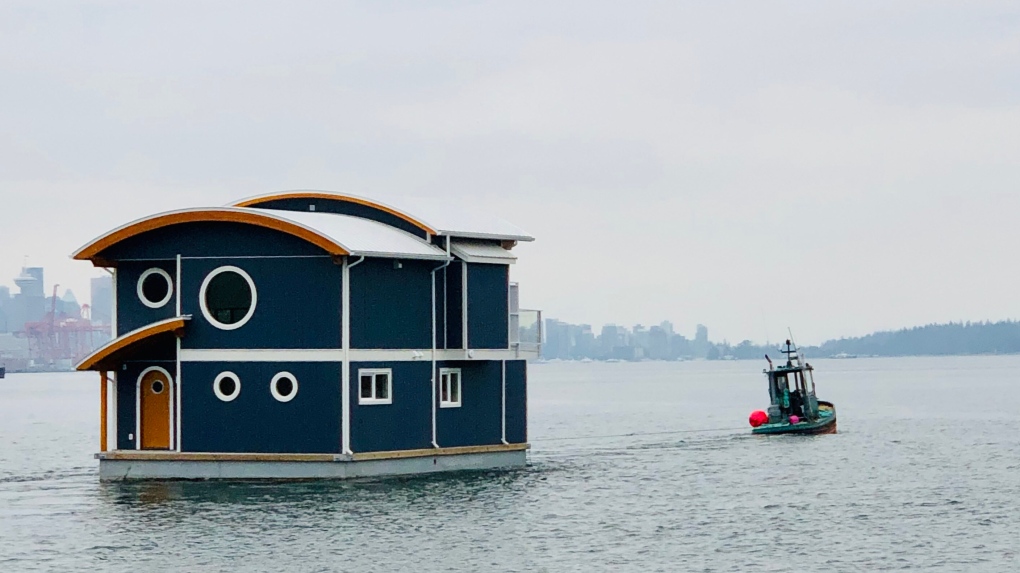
(825, 424)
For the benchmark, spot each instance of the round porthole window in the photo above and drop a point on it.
(155, 288)
(157, 387)
(228, 298)
(284, 386)
(227, 386)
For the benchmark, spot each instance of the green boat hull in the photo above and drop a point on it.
(825, 424)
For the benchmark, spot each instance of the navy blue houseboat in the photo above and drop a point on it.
(311, 334)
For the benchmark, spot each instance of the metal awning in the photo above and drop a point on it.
(110, 355)
(482, 252)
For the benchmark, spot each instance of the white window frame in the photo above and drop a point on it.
(205, 310)
(237, 386)
(373, 372)
(276, 392)
(445, 376)
(169, 288)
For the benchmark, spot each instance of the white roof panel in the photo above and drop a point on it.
(459, 221)
(363, 237)
(479, 252)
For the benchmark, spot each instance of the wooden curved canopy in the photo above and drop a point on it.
(106, 356)
(262, 199)
(223, 214)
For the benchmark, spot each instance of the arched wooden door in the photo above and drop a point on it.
(155, 409)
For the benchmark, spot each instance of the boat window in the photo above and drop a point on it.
(155, 288)
(449, 388)
(284, 386)
(228, 298)
(375, 386)
(227, 386)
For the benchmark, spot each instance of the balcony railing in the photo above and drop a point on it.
(526, 331)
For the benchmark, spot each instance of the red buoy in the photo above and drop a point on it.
(758, 418)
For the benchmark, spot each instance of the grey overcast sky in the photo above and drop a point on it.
(837, 167)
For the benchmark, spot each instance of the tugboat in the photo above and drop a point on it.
(795, 409)
(3, 371)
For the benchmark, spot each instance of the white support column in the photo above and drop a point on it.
(432, 375)
(178, 285)
(112, 421)
(177, 381)
(177, 397)
(345, 372)
(113, 318)
(464, 304)
(504, 402)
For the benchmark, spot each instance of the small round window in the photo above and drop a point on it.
(228, 298)
(227, 386)
(157, 387)
(284, 386)
(155, 287)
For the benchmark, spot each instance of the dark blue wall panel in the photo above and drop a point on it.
(516, 401)
(213, 239)
(255, 421)
(488, 306)
(406, 424)
(391, 307)
(344, 208)
(454, 305)
(440, 310)
(131, 312)
(479, 419)
(299, 304)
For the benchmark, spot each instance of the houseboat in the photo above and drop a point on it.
(311, 334)
(794, 407)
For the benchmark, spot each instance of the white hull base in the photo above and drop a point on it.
(168, 468)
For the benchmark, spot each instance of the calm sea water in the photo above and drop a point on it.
(923, 476)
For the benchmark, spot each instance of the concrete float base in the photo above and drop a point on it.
(120, 465)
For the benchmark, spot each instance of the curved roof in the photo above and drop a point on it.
(364, 237)
(218, 214)
(433, 217)
(107, 356)
(332, 196)
(336, 234)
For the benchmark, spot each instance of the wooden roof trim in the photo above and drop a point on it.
(256, 201)
(95, 360)
(221, 214)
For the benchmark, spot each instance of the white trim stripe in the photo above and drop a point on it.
(264, 355)
(337, 355)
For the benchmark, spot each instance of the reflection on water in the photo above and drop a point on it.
(922, 476)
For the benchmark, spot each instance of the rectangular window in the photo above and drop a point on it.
(375, 386)
(449, 388)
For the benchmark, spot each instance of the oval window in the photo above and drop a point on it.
(227, 386)
(155, 288)
(284, 386)
(228, 298)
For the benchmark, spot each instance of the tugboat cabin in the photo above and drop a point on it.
(311, 334)
(792, 391)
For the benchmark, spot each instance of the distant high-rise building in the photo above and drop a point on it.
(102, 300)
(29, 305)
(5, 303)
(667, 327)
(701, 344)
